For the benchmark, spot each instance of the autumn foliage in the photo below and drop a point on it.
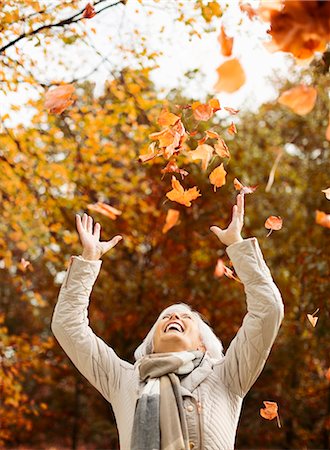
(160, 171)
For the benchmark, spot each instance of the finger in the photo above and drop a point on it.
(90, 224)
(97, 230)
(217, 231)
(79, 224)
(84, 221)
(110, 244)
(240, 204)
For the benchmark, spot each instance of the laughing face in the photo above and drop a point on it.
(177, 331)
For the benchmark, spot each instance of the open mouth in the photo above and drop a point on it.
(174, 326)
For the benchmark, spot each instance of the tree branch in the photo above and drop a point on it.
(62, 23)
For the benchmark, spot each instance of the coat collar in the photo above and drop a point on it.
(197, 376)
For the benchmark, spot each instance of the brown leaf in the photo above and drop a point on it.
(270, 411)
(173, 167)
(273, 223)
(312, 318)
(167, 118)
(219, 270)
(323, 219)
(105, 209)
(221, 148)
(89, 11)
(327, 193)
(203, 152)
(59, 98)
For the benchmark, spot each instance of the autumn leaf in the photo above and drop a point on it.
(218, 177)
(23, 264)
(231, 76)
(105, 209)
(151, 154)
(172, 218)
(248, 9)
(243, 189)
(221, 148)
(215, 104)
(327, 193)
(180, 195)
(273, 223)
(89, 11)
(212, 134)
(270, 411)
(201, 111)
(59, 98)
(323, 219)
(226, 42)
(231, 110)
(203, 152)
(173, 167)
(165, 137)
(232, 129)
(230, 274)
(312, 318)
(300, 99)
(327, 374)
(327, 131)
(167, 118)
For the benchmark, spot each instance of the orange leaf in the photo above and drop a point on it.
(215, 104)
(232, 129)
(230, 274)
(173, 167)
(270, 411)
(218, 177)
(219, 270)
(212, 134)
(167, 118)
(89, 11)
(231, 76)
(172, 218)
(178, 194)
(323, 219)
(231, 110)
(247, 8)
(59, 98)
(327, 193)
(221, 148)
(106, 210)
(203, 152)
(273, 223)
(244, 189)
(226, 42)
(202, 111)
(327, 374)
(327, 132)
(165, 137)
(23, 264)
(300, 99)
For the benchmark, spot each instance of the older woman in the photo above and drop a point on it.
(182, 392)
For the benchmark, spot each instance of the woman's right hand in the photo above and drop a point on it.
(93, 248)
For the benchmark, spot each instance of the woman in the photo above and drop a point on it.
(182, 393)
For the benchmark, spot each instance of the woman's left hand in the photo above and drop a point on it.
(232, 234)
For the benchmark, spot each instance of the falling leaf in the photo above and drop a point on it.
(172, 218)
(248, 9)
(323, 219)
(312, 318)
(327, 374)
(23, 264)
(270, 412)
(327, 193)
(165, 137)
(215, 104)
(105, 209)
(180, 195)
(173, 167)
(202, 111)
(89, 11)
(203, 152)
(226, 42)
(231, 76)
(151, 154)
(300, 99)
(221, 148)
(231, 110)
(218, 177)
(59, 98)
(219, 270)
(167, 118)
(244, 189)
(230, 274)
(212, 134)
(273, 223)
(232, 129)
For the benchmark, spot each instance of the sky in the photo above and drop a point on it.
(133, 24)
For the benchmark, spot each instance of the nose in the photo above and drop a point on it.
(175, 315)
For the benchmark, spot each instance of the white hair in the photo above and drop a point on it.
(211, 342)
